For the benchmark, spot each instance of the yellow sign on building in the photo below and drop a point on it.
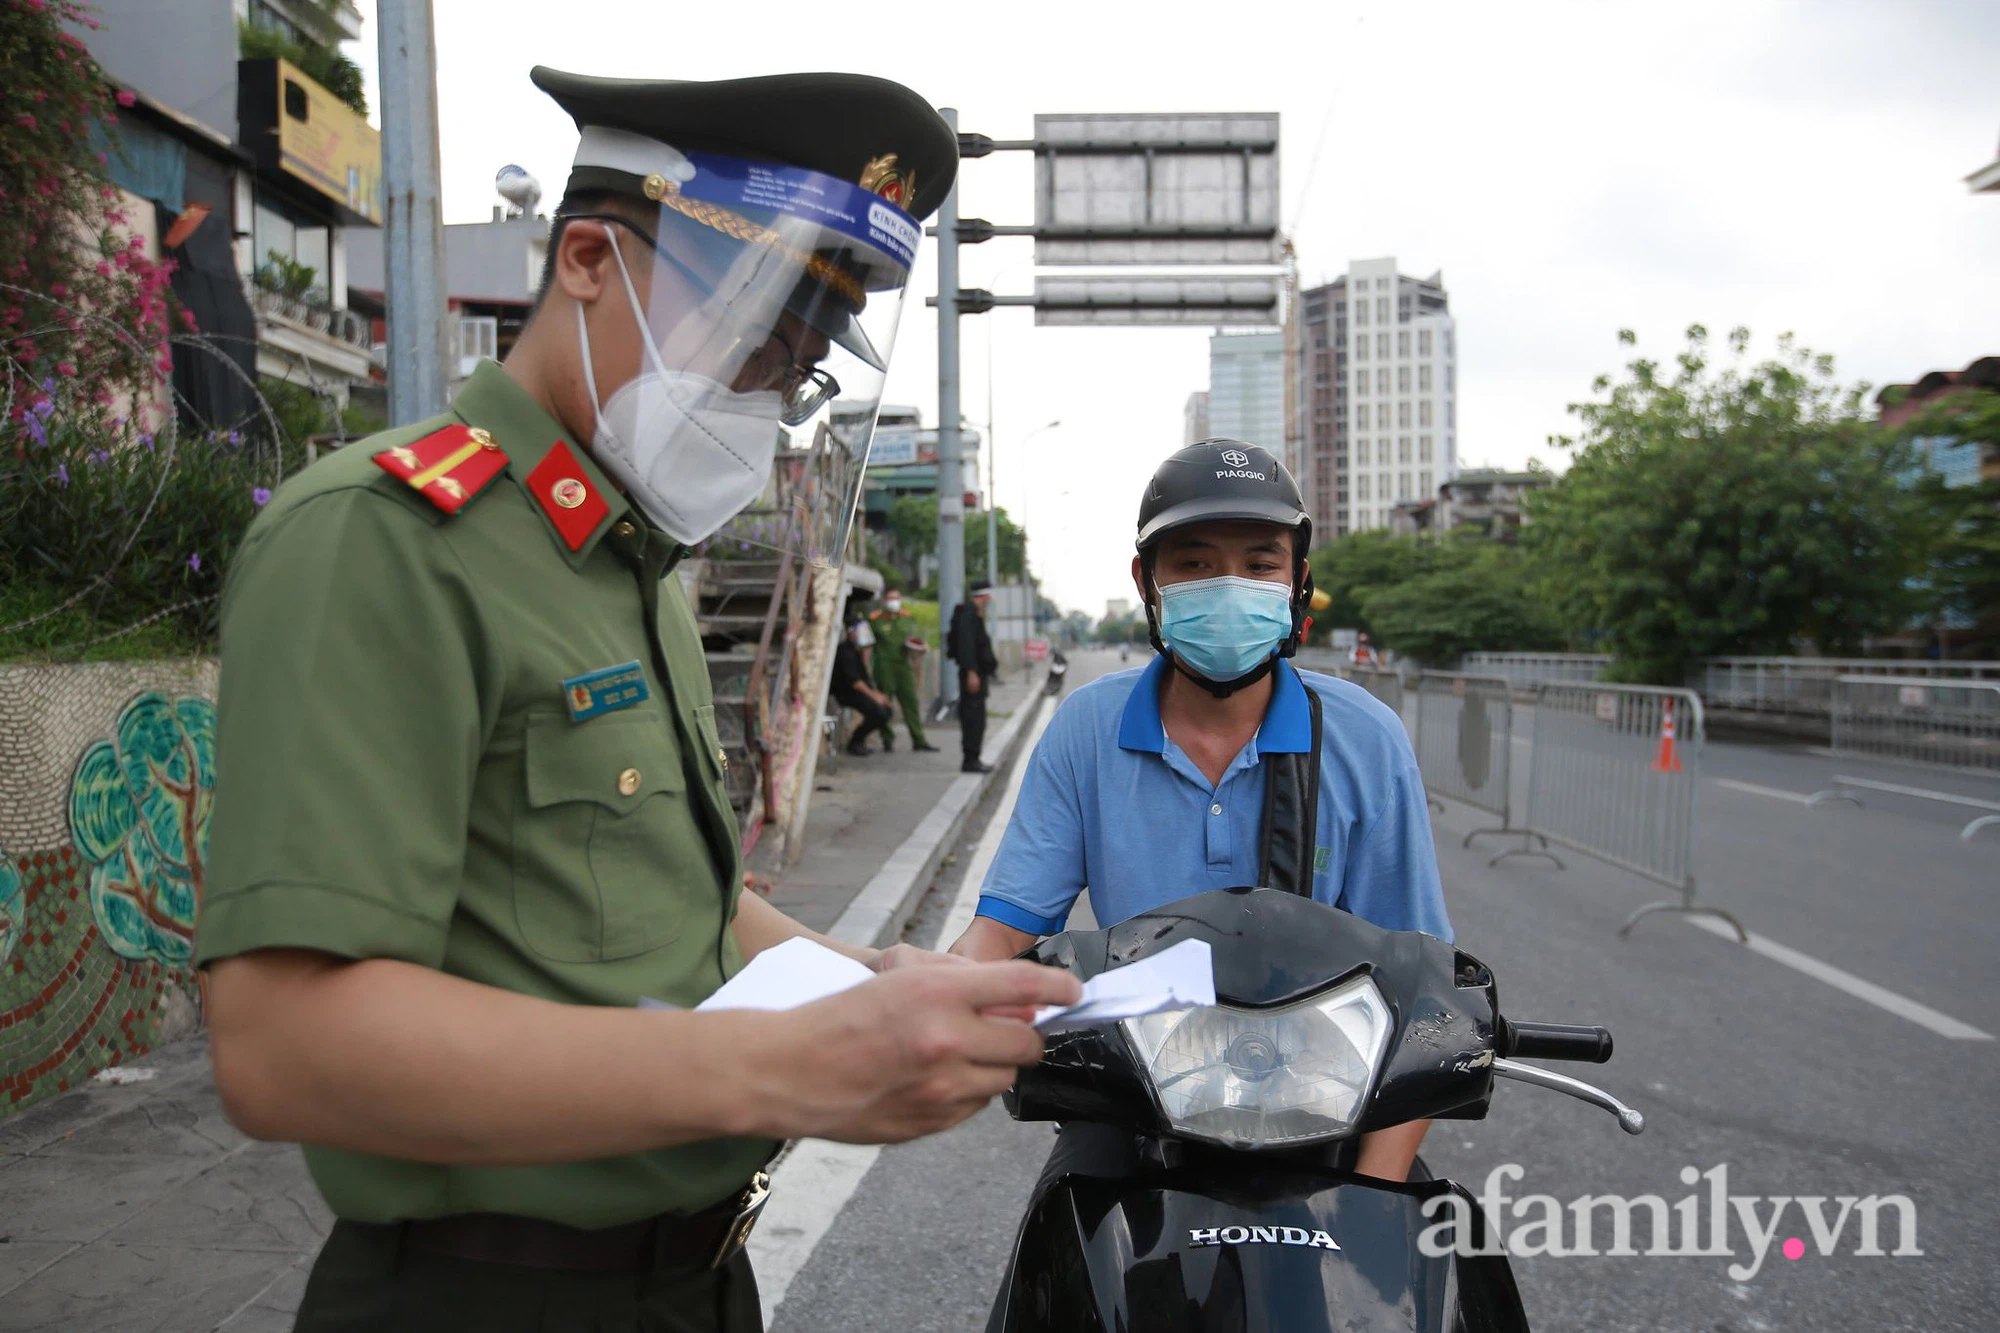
(327, 144)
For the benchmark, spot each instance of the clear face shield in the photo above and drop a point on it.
(768, 298)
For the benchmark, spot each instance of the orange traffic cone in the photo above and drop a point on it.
(1668, 760)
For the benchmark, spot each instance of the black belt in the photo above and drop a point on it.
(712, 1237)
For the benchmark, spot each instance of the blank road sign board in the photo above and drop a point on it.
(1157, 189)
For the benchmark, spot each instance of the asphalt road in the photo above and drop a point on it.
(1799, 1087)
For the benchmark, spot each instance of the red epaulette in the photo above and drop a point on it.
(449, 466)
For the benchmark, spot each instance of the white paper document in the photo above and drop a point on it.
(800, 971)
(786, 976)
(1182, 977)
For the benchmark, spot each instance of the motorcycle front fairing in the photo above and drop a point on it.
(1202, 1236)
(1270, 949)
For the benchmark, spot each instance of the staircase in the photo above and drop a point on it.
(768, 622)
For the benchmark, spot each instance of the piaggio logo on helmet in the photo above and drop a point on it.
(1240, 473)
(1235, 458)
(1201, 1237)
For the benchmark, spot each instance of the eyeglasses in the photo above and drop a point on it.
(772, 364)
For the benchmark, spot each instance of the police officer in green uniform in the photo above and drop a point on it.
(469, 806)
(895, 673)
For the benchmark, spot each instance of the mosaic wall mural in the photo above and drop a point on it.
(106, 775)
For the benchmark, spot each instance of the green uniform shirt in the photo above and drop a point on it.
(398, 775)
(892, 654)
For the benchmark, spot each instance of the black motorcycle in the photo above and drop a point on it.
(1058, 668)
(1230, 1203)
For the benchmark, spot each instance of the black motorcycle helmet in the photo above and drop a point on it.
(1226, 479)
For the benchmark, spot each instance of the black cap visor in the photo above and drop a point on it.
(1209, 509)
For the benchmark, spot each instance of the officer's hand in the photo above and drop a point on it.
(972, 681)
(909, 955)
(910, 1053)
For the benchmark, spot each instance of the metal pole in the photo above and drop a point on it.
(413, 240)
(951, 481)
(992, 482)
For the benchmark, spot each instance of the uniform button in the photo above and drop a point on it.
(626, 528)
(628, 782)
(1215, 809)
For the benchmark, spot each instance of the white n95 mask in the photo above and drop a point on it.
(690, 452)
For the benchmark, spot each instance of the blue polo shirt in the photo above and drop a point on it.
(1111, 804)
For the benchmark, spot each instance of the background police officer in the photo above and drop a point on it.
(469, 804)
(972, 650)
(896, 664)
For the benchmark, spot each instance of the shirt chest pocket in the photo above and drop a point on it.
(606, 848)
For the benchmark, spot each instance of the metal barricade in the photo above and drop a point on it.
(1612, 773)
(1384, 685)
(1919, 720)
(1465, 743)
(1524, 671)
(1953, 724)
(1806, 685)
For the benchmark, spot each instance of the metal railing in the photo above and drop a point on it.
(340, 325)
(1806, 685)
(1465, 744)
(1612, 773)
(1386, 686)
(1919, 720)
(1525, 671)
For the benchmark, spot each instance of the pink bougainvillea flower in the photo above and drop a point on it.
(125, 98)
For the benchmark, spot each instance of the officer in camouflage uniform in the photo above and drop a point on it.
(469, 809)
(895, 672)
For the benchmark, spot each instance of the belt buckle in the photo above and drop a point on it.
(750, 1204)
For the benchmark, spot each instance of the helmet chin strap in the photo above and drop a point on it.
(1222, 689)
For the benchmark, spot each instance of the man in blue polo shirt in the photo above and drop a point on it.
(1150, 785)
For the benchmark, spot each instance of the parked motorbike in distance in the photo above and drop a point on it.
(1058, 668)
(1232, 1206)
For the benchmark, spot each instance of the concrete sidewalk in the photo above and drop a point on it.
(137, 1206)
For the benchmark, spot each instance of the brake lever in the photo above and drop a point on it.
(1629, 1120)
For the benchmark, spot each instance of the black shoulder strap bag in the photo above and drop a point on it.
(1291, 812)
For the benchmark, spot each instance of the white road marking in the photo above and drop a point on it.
(815, 1178)
(967, 901)
(1897, 788)
(1778, 793)
(1901, 1006)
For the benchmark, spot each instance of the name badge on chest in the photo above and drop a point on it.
(605, 690)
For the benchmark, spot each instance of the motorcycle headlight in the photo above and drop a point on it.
(1249, 1078)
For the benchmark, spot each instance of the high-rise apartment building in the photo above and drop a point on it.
(1246, 388)
(1378, 390)
(1194, 418)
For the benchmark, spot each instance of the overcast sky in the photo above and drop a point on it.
(1572, 168)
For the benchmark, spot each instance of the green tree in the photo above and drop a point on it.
(324, 65)
(913, 535)
(1478, 595)
(1723, 510)
(1347, 567)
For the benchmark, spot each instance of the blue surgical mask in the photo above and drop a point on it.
(1223, 627)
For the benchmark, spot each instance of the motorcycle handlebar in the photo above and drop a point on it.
(1556, 1041)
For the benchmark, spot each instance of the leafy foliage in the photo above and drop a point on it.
(324, 65)
(1739, 509)
(912, 532)
(1476, 595)
(1347, 568)
(121, 526)
(80, 299)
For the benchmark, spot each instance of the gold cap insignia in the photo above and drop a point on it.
(882, 176)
